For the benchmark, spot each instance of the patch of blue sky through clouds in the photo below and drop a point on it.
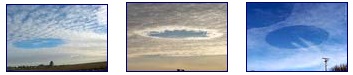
(295, 36)
(178, 34)
(39, 43)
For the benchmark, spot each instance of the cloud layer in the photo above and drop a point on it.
(82, 28)
(190, 36)
(146, 18)
(331, 17)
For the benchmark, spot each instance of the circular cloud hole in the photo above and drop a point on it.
(299, 36)
(39, 43)
(178, 34)
(172, 32)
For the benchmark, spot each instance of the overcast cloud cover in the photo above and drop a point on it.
(65, 34)
(162, 34)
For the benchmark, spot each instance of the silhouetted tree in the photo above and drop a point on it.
(51, 63)
(342, 67)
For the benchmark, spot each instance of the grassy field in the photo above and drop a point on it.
(96, 66)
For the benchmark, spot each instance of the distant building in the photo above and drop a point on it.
(51, 63)
(41, 65)
(180, 70)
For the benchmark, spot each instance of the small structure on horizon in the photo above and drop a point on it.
(40, 65)
(180, 70)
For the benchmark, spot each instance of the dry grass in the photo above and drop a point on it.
(96, 66)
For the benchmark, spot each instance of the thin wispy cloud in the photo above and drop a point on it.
(66, 34)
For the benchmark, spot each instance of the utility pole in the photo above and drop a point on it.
(325, 60)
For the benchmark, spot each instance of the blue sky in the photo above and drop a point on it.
(65, 34)
(167, 36)
(179, 34)
(295, 36)
(39, 43)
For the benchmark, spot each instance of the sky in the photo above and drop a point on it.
(296, 36)
(65, 34)
(170, 36)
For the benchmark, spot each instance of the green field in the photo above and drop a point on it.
(96, 66)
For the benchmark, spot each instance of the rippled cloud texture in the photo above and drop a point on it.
(65, 34)
(185, 35)
(298, 36)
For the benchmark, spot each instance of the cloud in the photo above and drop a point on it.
(194, 17)
(82, 28)
(331, 17)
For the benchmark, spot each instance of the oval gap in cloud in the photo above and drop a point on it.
(182, 33)
(178, 34)
(39, 43)
(299, 36)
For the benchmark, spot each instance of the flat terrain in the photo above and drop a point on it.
(188, 63)
(96, 66)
